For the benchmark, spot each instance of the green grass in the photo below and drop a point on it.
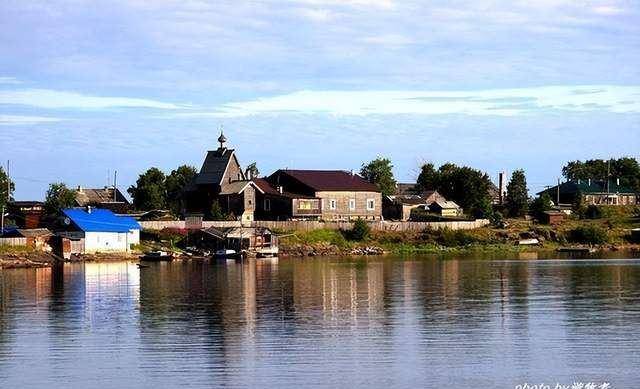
(16, 249)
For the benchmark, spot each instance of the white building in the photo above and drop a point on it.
(100, 230)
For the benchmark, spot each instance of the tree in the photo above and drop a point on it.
(59, 197)
(175, 184)
(468, 187)
(150, 190)
(517, 200)
(428, 178)
(380, 172)
(626, 169)
(4, 179)
(360, 230)
(216, 213)
(540, 205)
(253, 171)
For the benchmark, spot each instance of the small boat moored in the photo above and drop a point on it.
(156, 256)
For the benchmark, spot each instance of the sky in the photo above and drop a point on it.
(92, 87)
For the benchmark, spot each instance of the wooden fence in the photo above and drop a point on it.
(304, 225)
(13, 241)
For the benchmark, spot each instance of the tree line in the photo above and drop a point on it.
(468, 187)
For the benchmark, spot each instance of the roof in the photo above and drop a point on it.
(406, 188)
(89, 196)
(214, 166)
(266, 188)
(445, 204)
(407, 199)
(331, 180)
(589, 186)
(237, 187)
(26, 204)
(34, 232)
(236, 232)
(100, 220)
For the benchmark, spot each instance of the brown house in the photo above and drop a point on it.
(222, 181)
(407, 198)
(318, 194)
(108, 197)
(26, 214)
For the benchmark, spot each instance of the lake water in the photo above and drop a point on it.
(350, 323)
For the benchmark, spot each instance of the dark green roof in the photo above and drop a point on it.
(589, 186)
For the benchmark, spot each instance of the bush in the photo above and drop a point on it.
(593, 212)
(360, 230)
(588, 235)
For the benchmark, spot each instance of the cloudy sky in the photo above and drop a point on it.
(90, 87)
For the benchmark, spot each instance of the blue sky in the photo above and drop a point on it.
(91, 87)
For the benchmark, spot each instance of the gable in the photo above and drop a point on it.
(217, 167)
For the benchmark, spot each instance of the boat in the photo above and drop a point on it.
(225, 254)
(156, 256)
(585, 250)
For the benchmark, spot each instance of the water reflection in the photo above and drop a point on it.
(340, 322)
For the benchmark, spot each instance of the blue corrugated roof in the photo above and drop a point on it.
(100, 220)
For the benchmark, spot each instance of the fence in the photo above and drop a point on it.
(305, 225)
(13, 241)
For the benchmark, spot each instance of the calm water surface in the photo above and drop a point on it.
(383, 322)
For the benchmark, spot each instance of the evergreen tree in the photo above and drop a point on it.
(517, 200)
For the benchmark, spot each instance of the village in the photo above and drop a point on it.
(223, 210)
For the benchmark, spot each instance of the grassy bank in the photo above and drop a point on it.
(611, 229)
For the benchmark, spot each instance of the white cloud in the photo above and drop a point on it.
(46, 98)
(389, 40)
(608, 10)
(316, 15)
(9, 80)
(496, 102)
(8, 120)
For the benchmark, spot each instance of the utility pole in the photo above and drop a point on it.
(115, 185)
(558, 192)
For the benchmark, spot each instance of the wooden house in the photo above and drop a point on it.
(445, 208)
(330, 195)
(108, 197)
(26, 214)
(593, 192)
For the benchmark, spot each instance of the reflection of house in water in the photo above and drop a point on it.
(339, 288)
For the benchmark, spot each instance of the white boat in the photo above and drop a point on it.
(225, 253)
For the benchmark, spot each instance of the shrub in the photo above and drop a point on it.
(360, 230)
(593, 212)
(589, 235)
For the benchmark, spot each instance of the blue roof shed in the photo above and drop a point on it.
(100, 220)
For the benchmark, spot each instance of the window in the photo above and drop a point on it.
(267, 204)
(371, 204)
(333, 204)
(352, 204)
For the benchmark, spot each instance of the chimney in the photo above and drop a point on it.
(79, 189)
(352, 172)
(88, 209)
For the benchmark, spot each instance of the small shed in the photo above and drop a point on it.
(553, 217)
(445, 208)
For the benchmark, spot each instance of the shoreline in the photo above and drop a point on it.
(34, 259)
